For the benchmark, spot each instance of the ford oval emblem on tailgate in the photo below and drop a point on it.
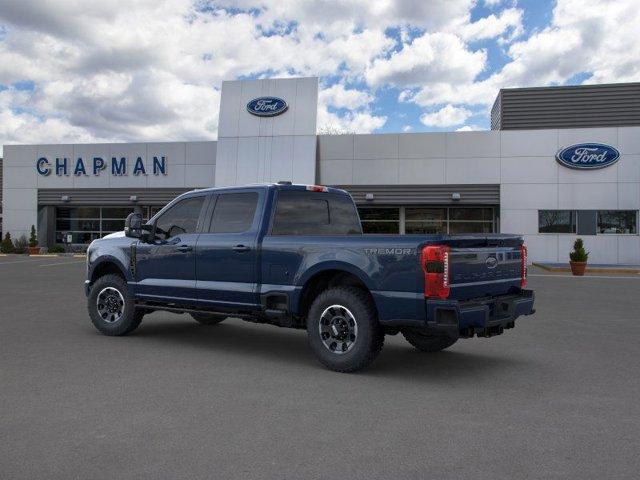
(492, 262)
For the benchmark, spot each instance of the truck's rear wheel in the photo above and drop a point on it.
(343, 329)
(208, 318)
(428, 342)
(112, 308)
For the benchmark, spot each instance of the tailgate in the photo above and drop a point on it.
(489, 266)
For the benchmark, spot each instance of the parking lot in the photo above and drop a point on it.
(557, 397)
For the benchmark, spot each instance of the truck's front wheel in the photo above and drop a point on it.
(112, 308)
(428, 342)
(343, 329)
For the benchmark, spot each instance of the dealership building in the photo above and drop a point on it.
(558, 163)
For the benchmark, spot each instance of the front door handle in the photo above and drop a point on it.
(184, 248)
(241, 248)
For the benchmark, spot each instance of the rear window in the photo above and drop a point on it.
(311, 213)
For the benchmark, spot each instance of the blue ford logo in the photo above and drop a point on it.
(267, 106)
(588, 156)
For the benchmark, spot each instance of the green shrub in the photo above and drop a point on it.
(33, 238)
(579, 254)
(20, 245)
(7, 244)
(57, 248)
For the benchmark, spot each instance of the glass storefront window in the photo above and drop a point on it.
(470, 214)
(86, 224)
(424, 220)
(116, 212)
(427, 221)
(618, 221)
(556, 221)
(470, 227)
(78, 212)
(380, 220)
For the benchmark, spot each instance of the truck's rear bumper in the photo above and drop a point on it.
(482, 317)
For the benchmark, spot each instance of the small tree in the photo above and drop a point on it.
(20, 244)
(7, 244)
(33, 238)
(579, 254)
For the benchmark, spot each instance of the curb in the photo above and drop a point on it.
(589, 269)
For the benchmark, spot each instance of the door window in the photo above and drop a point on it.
(234, 212)
(180, 219)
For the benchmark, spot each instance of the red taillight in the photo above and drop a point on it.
(523, 264)
(435, 264)
(317, 188)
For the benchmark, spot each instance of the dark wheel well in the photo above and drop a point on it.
(325, 280)
(106, 268)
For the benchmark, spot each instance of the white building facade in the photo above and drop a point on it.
(409, 183)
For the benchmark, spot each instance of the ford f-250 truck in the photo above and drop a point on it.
(295, 256)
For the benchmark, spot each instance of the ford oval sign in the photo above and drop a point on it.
(588, 156)
(267, 106)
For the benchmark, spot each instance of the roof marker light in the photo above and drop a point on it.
(317, 188)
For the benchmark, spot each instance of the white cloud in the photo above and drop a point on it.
(151, 69)
(340, 97)
(509, 22)
(433, 57)
(447, 116)
(597, 38)
(407, 128)
(469, 128)
(360, 122)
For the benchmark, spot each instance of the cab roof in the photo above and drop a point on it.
(272, 186)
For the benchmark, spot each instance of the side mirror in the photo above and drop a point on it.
(133, 225)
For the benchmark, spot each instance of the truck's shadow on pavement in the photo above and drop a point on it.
(288, 346)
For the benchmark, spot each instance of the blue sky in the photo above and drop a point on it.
(77, 71)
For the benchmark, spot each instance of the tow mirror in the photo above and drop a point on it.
(133, 225)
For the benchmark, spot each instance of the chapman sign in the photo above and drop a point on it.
(267, 106)
(588, 156)
(118, 166)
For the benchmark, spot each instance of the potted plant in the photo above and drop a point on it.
(33, 249)
(7, 244)
(578, 258)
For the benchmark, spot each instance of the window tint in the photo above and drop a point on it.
(234, 212)
(179, 219)
(556, 221)
(308, 213)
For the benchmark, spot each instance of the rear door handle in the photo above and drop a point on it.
(241, 248)
(184, 248)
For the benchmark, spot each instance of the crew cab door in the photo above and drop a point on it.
(227, 251)
(165, 267)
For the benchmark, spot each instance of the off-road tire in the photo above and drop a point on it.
(368, 340)
(208, 318)
(131, 316)
(427, 342)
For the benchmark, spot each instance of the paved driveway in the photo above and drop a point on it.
(557, 397)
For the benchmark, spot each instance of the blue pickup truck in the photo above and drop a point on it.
(295, 256)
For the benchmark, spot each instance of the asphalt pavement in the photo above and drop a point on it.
(556, 397)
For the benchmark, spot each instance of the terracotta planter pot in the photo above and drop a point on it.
(33, 250)
(578, 268)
